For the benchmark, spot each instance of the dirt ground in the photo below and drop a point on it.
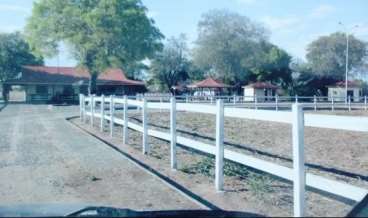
(340, 155)
(45, 159)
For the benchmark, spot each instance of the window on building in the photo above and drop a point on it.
(41, 89)
(68, 90)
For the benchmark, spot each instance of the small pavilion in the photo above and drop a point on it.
(209, 87)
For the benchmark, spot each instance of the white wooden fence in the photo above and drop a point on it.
(296, 118)
(271, 102)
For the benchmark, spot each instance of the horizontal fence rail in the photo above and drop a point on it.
(269, 102)
(296, 118)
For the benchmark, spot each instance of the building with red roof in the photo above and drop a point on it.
(42, 83)
(208, 87)
(337, 91)
(263, 91)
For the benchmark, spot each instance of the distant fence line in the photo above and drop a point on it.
(95, 107)
(269, 102)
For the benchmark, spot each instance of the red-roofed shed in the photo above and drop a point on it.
(263, 91)
(337, 92)
(55, 83)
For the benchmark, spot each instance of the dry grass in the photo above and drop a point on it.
(340, 155)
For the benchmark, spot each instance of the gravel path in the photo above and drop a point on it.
(45, 159)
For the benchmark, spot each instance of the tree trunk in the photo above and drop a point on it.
(92, 88)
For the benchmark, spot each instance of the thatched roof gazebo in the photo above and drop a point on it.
(208, 87)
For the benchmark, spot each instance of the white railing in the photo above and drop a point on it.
(296, 118)
(271, 102)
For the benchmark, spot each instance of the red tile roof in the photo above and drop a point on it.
(351, 84)
(261, 85)
(209, 83)
(71, 75)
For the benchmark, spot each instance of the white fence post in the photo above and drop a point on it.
(277, 102)
(296, 98)
(219, 177)
(332, 104)
(255, 102)
(315, 102)
(102, 113)
(80, 106)
(349, 102)
(138, 99)
(365, 103)
(92, 109)
(125, 117)
(234, 100)
(84, 109)
(112, 107)
(173, 133)
(144, 123)
(83, 103)
(160, 104)
(298, 160)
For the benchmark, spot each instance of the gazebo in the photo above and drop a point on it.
(208, 87)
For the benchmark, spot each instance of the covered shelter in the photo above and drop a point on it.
(64, 84)
(337, 91)
(264, 91)
(209, 87)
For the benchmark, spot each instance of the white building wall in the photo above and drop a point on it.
(248, 94)
(338, 94)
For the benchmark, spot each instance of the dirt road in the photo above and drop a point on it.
(45, 159)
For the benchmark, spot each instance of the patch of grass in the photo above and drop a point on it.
(259, 184)
(207, 167)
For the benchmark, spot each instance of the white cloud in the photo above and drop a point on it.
(280, 23)
(13, 8)
(322, 11)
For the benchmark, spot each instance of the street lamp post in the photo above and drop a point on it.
(346, 59)
(346, 66)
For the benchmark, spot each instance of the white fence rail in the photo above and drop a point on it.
(271, 102)
(296, 118)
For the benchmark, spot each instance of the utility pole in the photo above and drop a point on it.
(347, 58)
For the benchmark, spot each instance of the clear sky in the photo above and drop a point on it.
(292, 23)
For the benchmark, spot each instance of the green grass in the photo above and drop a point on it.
(258, 183)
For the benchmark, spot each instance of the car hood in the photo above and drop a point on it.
(39, 210)
(85, 210)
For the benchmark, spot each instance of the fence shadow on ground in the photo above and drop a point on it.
(266, 154)
(3, 105)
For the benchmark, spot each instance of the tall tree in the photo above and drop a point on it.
(327, 54)
(270, 63)
(171, 66)
(14, 53)
(225, 43)
(101, 33)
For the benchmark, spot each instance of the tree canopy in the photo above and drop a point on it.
(326, 55)
(100, 33)
(235, 49)
(172, 65)
(14, 53)
(225, 40)
(270, 63)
